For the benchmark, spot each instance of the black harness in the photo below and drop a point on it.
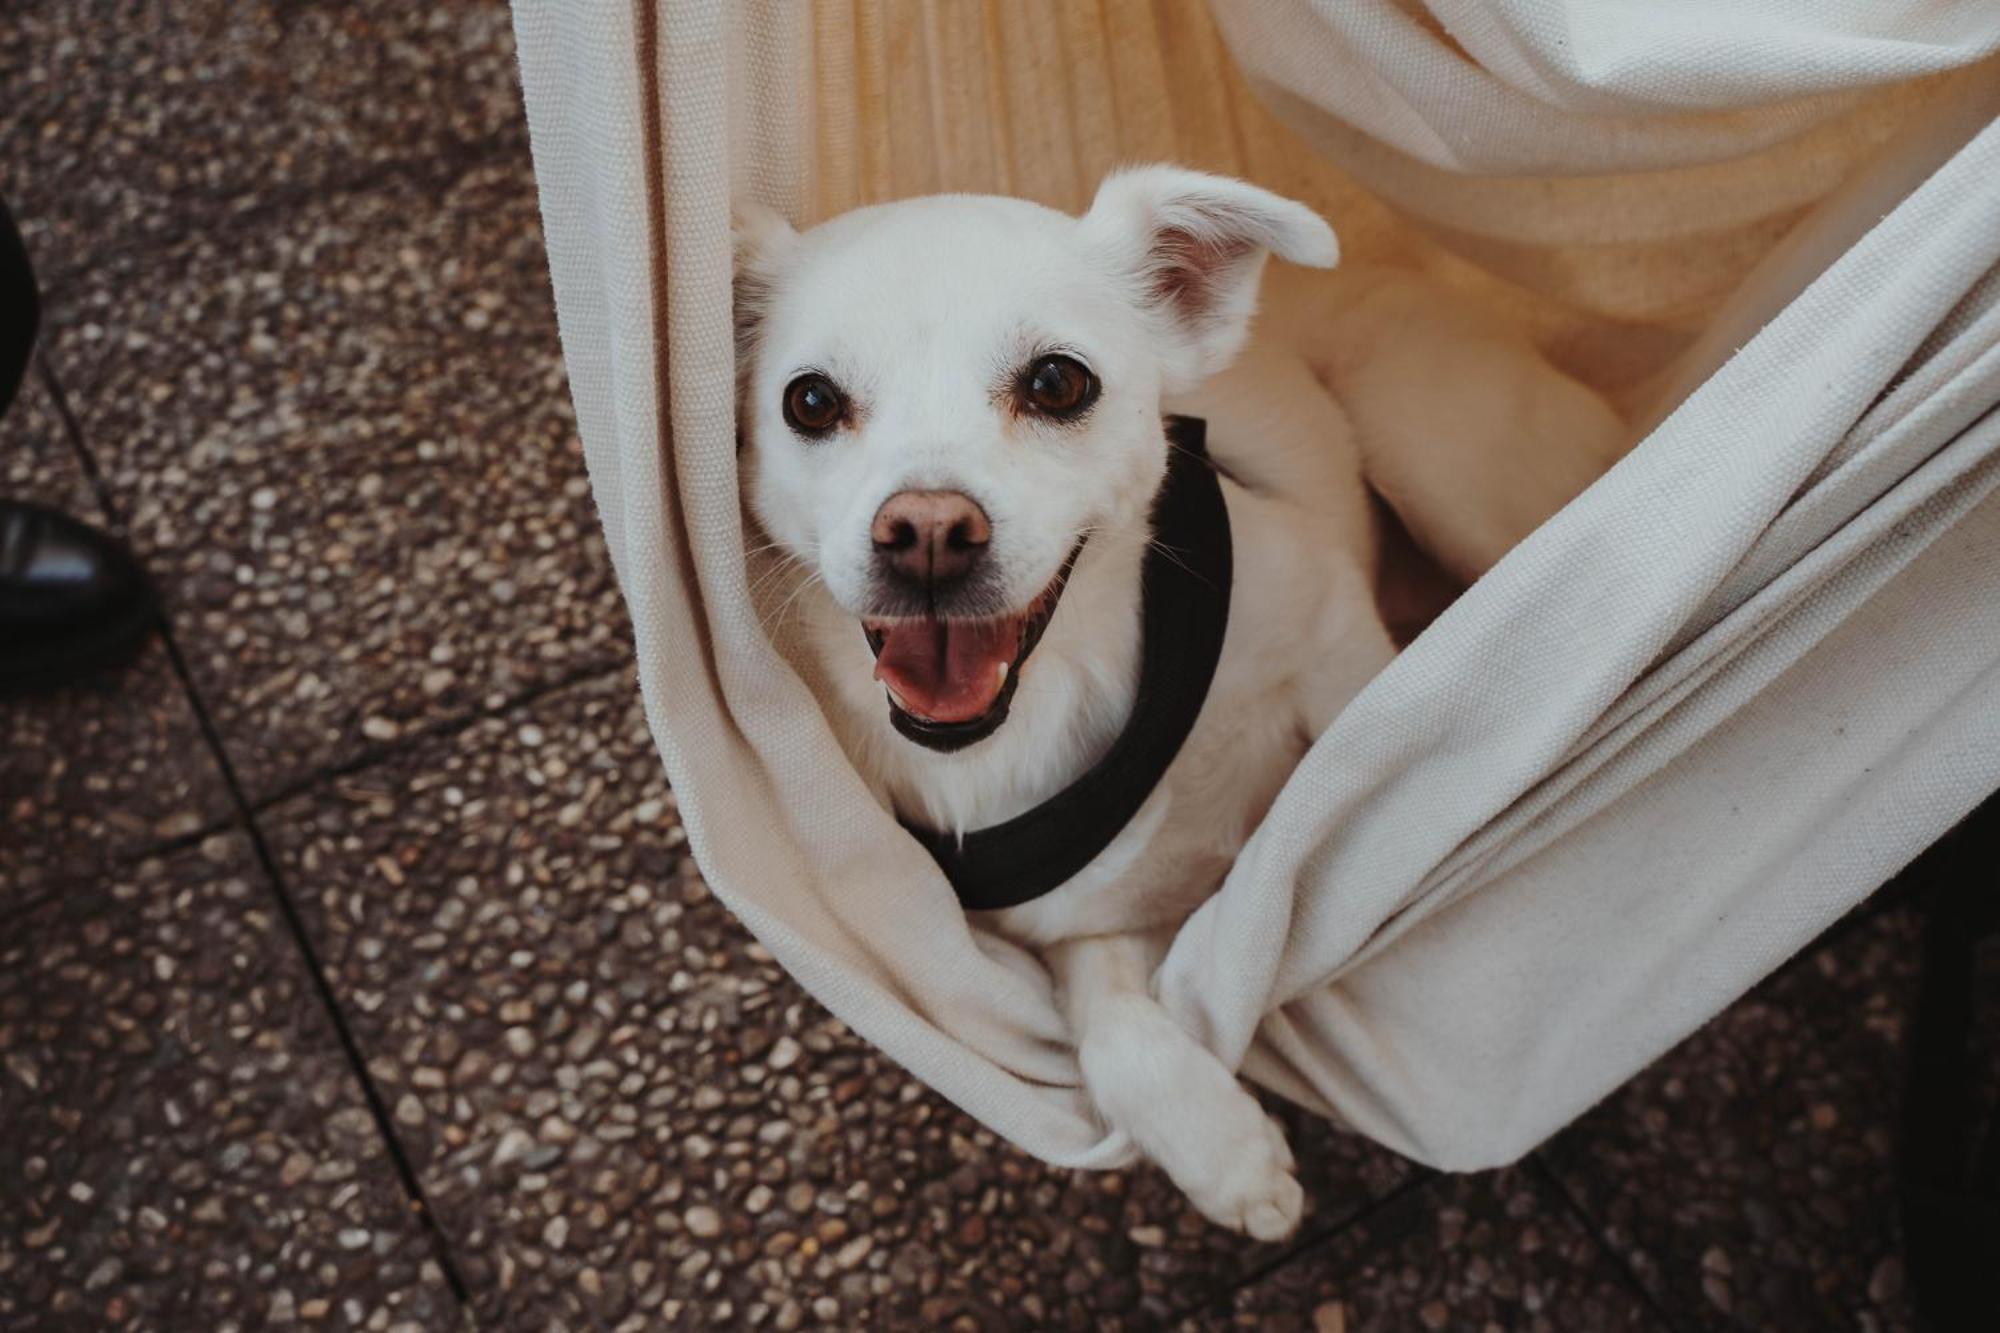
(1185, 588)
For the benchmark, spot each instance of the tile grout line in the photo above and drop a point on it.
(1552, 1183)
(1421, 1178)
(32, 904)
(1900, 893)
(372, 757)
(294, 922)
(118, 864)
(443, 728)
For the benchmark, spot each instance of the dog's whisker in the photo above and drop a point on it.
(794, 591)
(805, 585)
(1171, 554)
(782, 560)
(777, 571)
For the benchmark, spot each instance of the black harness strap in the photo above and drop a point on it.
(1185, 586)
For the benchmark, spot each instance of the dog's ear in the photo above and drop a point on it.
(762, 240)
(1193, 246)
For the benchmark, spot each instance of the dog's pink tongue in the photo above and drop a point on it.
(946, 671)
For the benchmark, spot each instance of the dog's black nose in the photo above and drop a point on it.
(931, 538)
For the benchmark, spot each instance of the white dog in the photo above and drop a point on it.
(953, 443)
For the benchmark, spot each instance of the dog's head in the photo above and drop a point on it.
(943, 398)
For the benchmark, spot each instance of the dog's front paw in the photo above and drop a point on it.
(1247, 1184)
(1189, 1114)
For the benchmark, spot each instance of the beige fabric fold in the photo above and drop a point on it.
(1695, 717)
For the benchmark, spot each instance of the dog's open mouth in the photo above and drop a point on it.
(950, 681)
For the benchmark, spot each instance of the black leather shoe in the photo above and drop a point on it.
(20, 308)
(73, 602)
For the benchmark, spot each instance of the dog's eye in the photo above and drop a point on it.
(813, 406)
(1059, 387)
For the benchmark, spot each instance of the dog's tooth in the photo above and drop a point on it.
(1003, 673)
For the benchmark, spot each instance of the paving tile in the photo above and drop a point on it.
(344, 442)
(624, 1111)
(182, 1140)
(1749, 1176)
(1486, 1252)
(96, 774)
(127, 121)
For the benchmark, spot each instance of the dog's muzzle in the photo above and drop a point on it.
(950, 682)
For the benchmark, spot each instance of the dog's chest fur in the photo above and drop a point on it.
(1287, 634)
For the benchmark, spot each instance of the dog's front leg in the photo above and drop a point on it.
(1185, 1111)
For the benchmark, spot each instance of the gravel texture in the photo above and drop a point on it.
(624, 1111)
(1488, 1252)
(183, 1143)
(343, 440)
(94, 775)
(128, 122)
(1749, 1177)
